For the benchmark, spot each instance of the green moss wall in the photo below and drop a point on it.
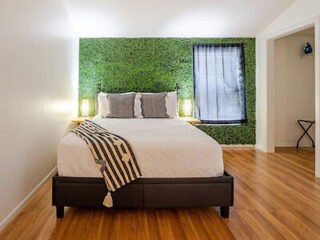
(155, 65)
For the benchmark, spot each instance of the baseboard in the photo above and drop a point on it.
(293, 144)
(237, 146)
(260, 147)
(20, 206)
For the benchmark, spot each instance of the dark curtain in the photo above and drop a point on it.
(219, 83)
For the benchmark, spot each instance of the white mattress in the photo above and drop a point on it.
(164, 148)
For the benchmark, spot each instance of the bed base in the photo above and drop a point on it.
(145, 193)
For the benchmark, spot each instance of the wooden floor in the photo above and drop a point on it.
(276, 197)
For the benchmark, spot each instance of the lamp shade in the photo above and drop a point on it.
(187, 107)
(85, 108)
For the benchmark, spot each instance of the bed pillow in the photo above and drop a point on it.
(137, 106)
(121, 105)
(103, 105)
(172, 104)
(153, 105)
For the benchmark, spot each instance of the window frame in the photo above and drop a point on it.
(243, 66)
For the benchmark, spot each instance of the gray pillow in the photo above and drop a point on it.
(121, 105)
(153, 105)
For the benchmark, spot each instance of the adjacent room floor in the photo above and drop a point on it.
(276, 197)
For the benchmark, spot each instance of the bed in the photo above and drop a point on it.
(181, 167)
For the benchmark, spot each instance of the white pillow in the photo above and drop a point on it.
(172, 104)
(137, 106)
(103, 104)
(104, 109)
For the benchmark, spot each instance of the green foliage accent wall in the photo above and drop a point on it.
(155, 65)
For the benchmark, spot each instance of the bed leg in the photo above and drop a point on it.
(60, 211)
(224, 212)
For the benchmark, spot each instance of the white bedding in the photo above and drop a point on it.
(164, 148)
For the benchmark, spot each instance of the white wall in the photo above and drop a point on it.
(37, 56)
(301, 14)
(294, 90)
(298, 16)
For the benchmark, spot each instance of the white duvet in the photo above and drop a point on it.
(164, 148)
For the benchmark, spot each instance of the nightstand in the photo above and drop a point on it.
(79, 120)
(193, 121)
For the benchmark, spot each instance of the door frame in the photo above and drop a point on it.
(268, 128)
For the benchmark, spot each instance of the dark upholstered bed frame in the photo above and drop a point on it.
(145, 193)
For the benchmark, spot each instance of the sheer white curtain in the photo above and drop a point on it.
(219, 83)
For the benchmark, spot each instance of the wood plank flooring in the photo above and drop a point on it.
(276, 197)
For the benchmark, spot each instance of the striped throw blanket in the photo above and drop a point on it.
(113, 156)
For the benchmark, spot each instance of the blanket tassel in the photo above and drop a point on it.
(107, 202)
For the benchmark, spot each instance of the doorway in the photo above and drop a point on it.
(294, 75)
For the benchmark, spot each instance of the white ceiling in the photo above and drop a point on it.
(173, 18)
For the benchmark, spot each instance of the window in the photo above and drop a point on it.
(219, 83)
